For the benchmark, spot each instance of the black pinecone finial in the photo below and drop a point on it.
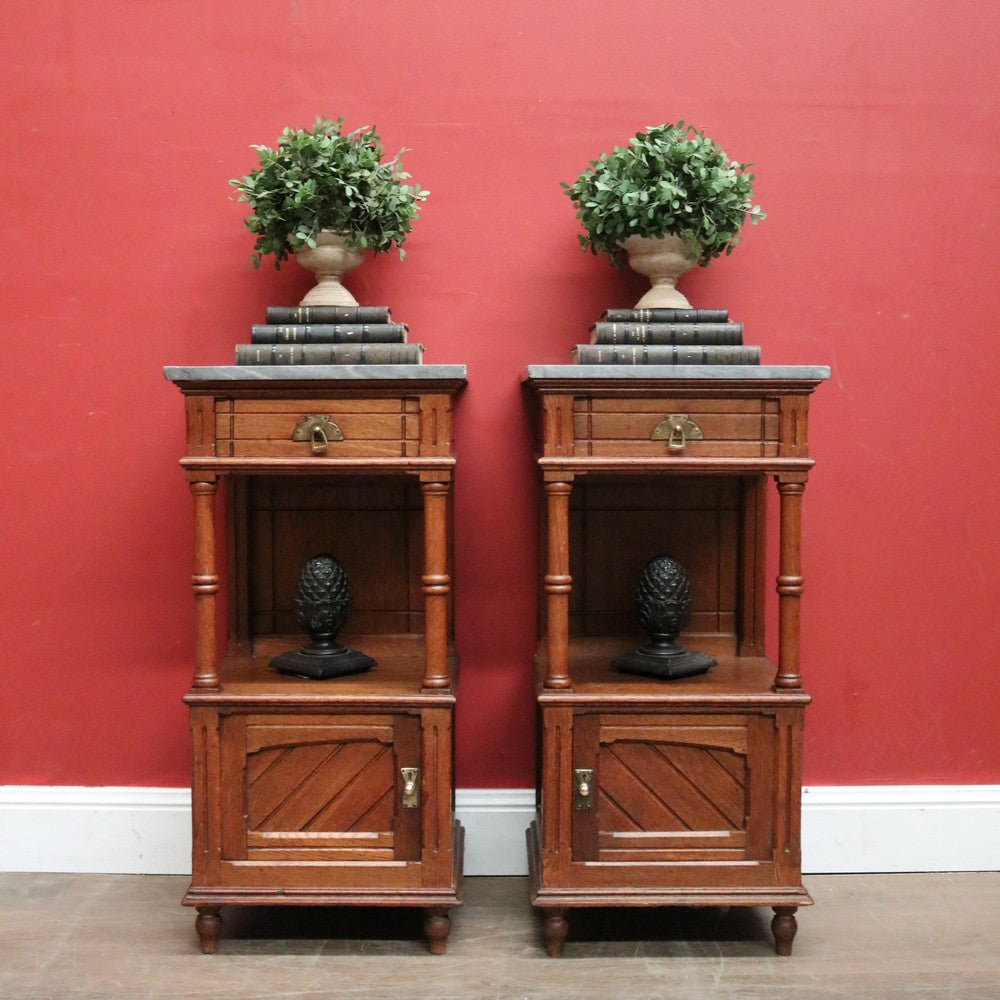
(663, 598)
(323, 598)
(322, 605)
(663, 601)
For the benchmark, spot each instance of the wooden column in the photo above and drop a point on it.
(558, 582)
(436, 583)
(204, 583)
(789, 583)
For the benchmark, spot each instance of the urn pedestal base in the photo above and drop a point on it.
(663, 260)
(329, 260)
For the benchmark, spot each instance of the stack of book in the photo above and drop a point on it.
(329, 335)
(666, 337)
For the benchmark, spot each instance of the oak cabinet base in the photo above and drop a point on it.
(324, 793)
(668, 794)
(435, 902)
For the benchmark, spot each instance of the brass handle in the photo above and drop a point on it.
(319, 431)
(676, 429)
(583, 784)
(319, 440)
(411, 786)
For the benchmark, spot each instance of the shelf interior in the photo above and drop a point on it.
(735, 677)
(398, 672)
(374, 526)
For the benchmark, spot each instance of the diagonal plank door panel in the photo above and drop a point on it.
(665, 790)
(320, 800)
(326, 788)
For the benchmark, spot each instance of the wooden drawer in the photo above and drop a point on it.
(728, 428)
(368, 428)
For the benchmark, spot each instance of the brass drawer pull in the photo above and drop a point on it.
(676, 430)
(319, 431)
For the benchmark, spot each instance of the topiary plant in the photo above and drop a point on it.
(318, 179)
(670, 180)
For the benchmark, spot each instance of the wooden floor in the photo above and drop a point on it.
(97, 936)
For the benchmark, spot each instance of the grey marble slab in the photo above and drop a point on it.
(791, 373)
(311, 373)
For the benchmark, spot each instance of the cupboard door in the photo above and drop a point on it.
(673, 788)
(318, 788)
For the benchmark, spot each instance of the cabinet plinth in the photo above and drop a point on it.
(338, 791)
(668, 792)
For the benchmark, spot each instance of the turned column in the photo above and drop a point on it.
(789, 583)
(204, 583)
(436, 583)
(558, 583)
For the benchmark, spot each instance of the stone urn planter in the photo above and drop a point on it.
(663, 260)
(330, 260)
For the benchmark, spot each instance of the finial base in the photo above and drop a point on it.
(300, 663)
(663, 666)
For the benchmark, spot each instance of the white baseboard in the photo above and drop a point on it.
(901, 828)
(495, 820)
(126, 831)
(885, 828)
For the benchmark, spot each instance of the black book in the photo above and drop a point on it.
(666, 333)
(327, 314)
(665, 354)
(660, 315)
(328, 333)
(329, 354)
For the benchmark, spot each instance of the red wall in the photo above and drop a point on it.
(874, 131)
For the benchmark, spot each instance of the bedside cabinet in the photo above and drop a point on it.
(668, 792)
(338, 791)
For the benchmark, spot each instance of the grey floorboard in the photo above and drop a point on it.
(83, 937)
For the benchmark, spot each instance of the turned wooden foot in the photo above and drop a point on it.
(437, 925)
(784, 926)
(555, 926)
(208, 923)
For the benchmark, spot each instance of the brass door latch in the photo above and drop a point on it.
(319, 431)
(583, 789)
(676, 429)
(411, 786)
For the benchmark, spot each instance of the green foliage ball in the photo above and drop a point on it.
(320, 179)
(670, 180)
